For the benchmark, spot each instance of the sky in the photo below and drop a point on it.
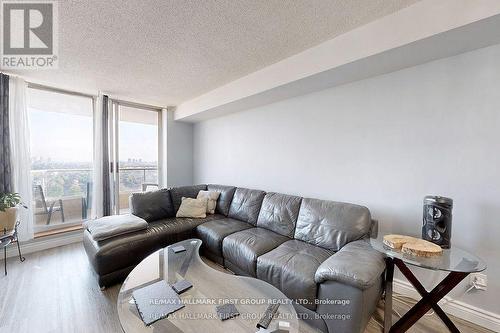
(68, 138)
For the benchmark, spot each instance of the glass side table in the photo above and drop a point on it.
(459, 263)
(6, 238)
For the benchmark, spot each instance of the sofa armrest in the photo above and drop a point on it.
(356, 264)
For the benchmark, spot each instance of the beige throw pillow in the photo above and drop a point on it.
(196, 208)
(212, 197)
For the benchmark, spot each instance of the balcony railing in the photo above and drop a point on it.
(72, 189)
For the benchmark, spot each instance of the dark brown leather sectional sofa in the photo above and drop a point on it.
(314, 251)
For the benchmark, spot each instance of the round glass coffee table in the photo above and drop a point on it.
(210, 288)
(459, 263)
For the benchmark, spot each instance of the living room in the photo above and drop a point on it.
(281, 166)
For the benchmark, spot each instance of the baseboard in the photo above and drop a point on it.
(456, 308)
(45, 243)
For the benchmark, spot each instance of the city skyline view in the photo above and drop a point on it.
(50, 143)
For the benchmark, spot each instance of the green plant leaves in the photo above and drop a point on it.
(9, 200)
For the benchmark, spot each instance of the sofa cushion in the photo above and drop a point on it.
(244, 247)
(291, 267)
(331, 224)
(225, 198)
(184, 191)
(245, 205)
(279, 213)
(213, 233)
(116, 253)
(152, 206)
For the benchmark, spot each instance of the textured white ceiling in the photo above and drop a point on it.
(167, 52)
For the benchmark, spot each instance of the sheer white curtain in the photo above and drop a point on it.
(98, 165)
(20, 153)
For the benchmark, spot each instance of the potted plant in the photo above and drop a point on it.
(9, 204)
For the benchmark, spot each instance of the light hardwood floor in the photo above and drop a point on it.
(56, 291)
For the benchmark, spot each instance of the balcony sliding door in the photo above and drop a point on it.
(61, 133)
(62, 136)
(135, 152)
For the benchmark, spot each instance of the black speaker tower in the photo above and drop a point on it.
(436, 226)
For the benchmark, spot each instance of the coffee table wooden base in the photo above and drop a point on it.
(429, 299)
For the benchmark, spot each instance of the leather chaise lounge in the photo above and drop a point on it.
(314, 251)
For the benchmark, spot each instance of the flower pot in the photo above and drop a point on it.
(8, 219)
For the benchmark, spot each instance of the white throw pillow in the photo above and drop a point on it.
(212, 197)
(190, 207)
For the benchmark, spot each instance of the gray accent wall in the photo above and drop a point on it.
(385, 143)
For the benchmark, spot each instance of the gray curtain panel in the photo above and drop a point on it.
(107, 168)
(5, 169)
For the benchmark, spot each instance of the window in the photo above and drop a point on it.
(137, 152)
(61, 158)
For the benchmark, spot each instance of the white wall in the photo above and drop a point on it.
(383, 142)
(179, 152)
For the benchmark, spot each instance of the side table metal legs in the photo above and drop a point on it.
(8, 239)
(21, 258)
(389, 275)
(429, 299)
